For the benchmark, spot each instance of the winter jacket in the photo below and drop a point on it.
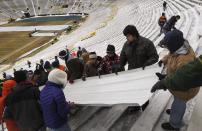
(91, 69)
(85, 57)
(23, 105)
(170, 24)
(62, 67)
(110, 65)
(7, 87)
(54, 105)
(173, 62)
(164, 4)
(42, 78)
(11, 125)
(187, 77)
(79, 53)
(162, 21)
(138, 54)
(75, 68)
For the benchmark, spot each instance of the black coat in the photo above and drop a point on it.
(75, 68)
(170, 24)
(139, 54)
(79, 53)
(164, 4)
(23, 106)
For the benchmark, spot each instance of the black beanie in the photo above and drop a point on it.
(55, 64)
(20, 76)
(64, 55)
(99, 58)
(111, 48)
(174, 40)
(47, 65)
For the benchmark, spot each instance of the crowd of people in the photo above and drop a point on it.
(165, 24)
(23, 107)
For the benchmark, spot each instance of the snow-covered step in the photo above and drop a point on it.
(196, 118)
(109, 119)
(148, 119)
(103, 119)
(84, 115)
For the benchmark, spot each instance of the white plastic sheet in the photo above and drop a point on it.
(129, 87)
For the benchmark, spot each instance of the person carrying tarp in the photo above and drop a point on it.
(180, 53)
(137, 51)
(170, 24)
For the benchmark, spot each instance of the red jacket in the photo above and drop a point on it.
(7, 87)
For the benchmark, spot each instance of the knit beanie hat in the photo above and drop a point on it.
(64, 54)
(20, 76)
(47, 65)
(110, 49)
(174, 40)
(58, 76)
(92, 55)
(55, 64)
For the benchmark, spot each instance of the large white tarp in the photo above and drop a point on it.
(33, 28)
(129, 87)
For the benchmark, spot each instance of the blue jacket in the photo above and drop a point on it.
(54, 106)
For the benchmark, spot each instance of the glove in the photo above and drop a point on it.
(71, 104)
(71, 81)
(144, 66)
(99, 69)
(158, 86)
(160, 76)
(160, 63)
(121, 68)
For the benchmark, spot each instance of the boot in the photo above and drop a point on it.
(167, 126)
(168, 111)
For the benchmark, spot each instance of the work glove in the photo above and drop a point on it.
(71, 81)
(158, 86)
(144, 66)
(160, 76)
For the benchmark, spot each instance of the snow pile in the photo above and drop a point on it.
(44, 34)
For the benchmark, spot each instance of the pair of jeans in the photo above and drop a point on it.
(65, 127)
(178, 109)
